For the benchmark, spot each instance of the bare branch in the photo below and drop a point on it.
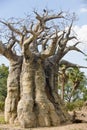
(44, 18)
(10, 45)
(37, 16)
(2, 48)
(37, 27)
(26, 50)
(44, 39)
(50, 17)
(8, 53)
(70, 48)
(69, 30)
(69, 64)
(11, 27)
(12, 40)
(77, 43)
(44, 43)
(31, 26)
(28, 41)
(51, 49)
(70, 38)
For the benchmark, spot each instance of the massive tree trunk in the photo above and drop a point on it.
(40, 104)
(13, 82)
(13, 90)
(51, 71)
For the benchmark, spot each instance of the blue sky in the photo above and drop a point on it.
(18, 8)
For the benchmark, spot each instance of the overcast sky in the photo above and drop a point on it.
(18, 8)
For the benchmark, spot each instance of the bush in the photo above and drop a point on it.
(3, 81)
(74, 105)
(2, 121)
(2, 106)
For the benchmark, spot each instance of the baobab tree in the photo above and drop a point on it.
(32, 96)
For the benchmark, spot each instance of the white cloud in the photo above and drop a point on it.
(75, 57)
(83, 10)
(81, 32)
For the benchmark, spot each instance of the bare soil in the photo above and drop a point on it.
(74, 126)
(79, 126)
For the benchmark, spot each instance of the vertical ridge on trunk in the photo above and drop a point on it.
(13, 91)
(35, 108)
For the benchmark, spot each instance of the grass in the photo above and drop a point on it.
(74, 105)
(2, 106)
(2, 121)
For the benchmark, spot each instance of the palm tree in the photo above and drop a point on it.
(75, 78)
(62, 80)
(72, 83)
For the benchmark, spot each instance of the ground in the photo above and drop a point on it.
(80, 126)
(74, 126)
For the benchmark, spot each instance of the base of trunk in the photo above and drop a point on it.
(40, 113)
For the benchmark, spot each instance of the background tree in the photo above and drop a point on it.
(72, 81)
(77, 80)
(32, 95)
(3, 81)
(62, 81)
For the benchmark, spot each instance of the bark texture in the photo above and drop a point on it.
(38, 106)
(13, 90)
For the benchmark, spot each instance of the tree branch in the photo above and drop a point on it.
(70, 48)
(10, 45)
(69, 30)
(2, 48)
(51, 49)
(11, 27)
(44, 40)
(8, 53)
(69, 64)
(48, 17)
(44, 18)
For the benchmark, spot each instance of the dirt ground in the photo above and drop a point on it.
(79, 126)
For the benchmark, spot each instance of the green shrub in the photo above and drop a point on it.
(74, 105)
(2, 106)
(2, 121)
